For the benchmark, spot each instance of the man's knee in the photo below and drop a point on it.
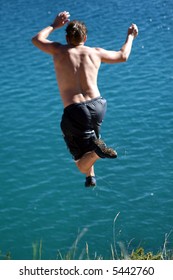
(81, 167)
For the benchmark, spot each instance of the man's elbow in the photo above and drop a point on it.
(34, 40)
(124, 57)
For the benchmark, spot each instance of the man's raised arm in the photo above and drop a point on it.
(123, 54)
(41, 41)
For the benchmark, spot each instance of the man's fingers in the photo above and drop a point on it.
(64, 17)
(64, 14)
(134, 29)
(134, 26)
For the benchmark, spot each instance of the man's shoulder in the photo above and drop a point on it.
(90, 48)
(94, 50)
(60, 48)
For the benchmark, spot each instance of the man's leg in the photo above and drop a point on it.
(83, 164)
(86, 162)
(90, 178)
(88, 159)
(91, 171)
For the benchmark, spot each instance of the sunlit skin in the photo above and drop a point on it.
(79, 65)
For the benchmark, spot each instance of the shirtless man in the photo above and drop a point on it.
(76, 67)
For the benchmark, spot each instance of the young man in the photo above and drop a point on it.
(76, 67)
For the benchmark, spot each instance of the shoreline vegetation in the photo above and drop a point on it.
(120, 254)
(118, 251)
(72, 254)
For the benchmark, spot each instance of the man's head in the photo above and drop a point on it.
(76, 33)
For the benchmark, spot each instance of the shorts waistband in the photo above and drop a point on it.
(82, 103)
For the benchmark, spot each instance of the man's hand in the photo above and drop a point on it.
(41, 41)
(133, 30)
(61, 19)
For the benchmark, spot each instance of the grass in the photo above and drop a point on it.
(6, 256)
(72, 254)
(136, 254)
(118, 251)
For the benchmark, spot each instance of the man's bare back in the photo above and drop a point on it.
(77, 66)
(76, 72)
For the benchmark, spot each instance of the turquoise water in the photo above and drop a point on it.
(42, 195)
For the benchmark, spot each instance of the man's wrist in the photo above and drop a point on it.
(131, 36)
(52, 25)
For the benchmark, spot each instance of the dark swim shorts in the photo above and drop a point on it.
(80, 125)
